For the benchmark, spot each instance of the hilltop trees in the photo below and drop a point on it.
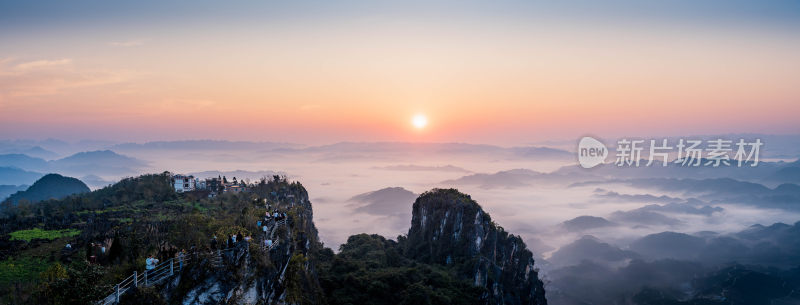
(371, 269)
(133, 218)
(79, 284)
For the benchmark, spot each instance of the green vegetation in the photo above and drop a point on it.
(49, 186)
(131, 208)
(123, 219)
(120, 217)
(81, 283)
(199, 207)
(21, 269)
(37, 233)
(132, 219)
(295, 278)
(372, 270)
(144, 216)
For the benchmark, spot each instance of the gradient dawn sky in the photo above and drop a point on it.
(499, 72)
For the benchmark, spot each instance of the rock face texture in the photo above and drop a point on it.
(449, 228)
(252, 274)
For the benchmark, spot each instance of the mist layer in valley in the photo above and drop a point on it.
(614, 230)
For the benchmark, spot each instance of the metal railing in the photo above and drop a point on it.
(168, 268)
(275, 227)
(217, 258)
(150, 277)
(272, 231)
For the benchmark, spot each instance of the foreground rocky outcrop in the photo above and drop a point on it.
(252, 274)
(453, 253)
(450, 228)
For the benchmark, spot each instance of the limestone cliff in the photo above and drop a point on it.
(251, 274)
(450, 228)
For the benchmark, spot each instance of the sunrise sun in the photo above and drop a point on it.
(419, 121)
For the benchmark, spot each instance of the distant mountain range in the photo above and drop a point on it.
(17, 176)
(50, 149)
(386, 201)
(515, 178)
(667, 261)
(590, 248)
(203, 145)
(423, 168)
(767, 172)
(20, 169)
(98, 162)
(347, 151)
(584, 223)
(50, 186)
(6, 190)
(93, 181)
(24, 162)
(35, 151)
(719, 190)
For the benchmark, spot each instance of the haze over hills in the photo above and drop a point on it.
(584, 223)
(98, 162)
(515, 178)
(765, 172)
(423, 168)
(16, 176)
(25, 162)
(6, 190)
(51, 148)
(386, 201)
(95, 182)
(202, 145)
(589, 248)
(347, 151)
(779, 146)
(654, 267)
(34, 151)
(785, 175)
(552, 204)
(101, 162)
(719, 190)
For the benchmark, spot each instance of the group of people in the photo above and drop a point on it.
(277, 216)
(151, 262)
(94, 252)
(230, 241)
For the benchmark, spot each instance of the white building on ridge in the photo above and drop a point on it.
(183, 183)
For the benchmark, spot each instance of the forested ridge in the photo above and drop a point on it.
(74, 250)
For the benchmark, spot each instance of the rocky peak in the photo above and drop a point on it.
(251, 274)
(449, 228)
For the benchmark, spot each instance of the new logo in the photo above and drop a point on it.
(591, 152)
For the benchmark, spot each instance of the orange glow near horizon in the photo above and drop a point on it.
(500, 83)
